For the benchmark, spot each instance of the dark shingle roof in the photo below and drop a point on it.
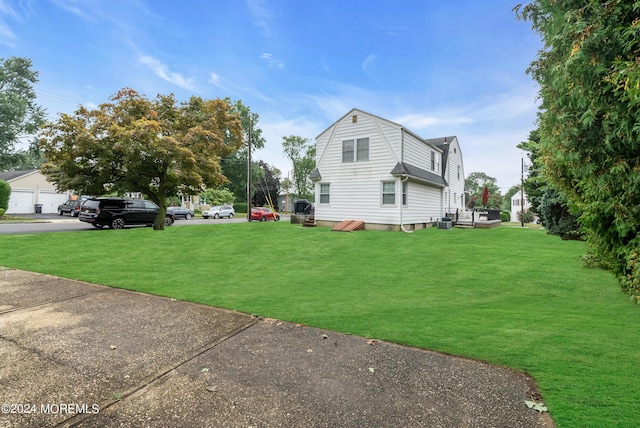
(403, 168)
(443, 144)
(10, 175)
(315, 175)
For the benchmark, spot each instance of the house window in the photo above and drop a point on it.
(388, 193)
(347, 151)
(458, 172)
(355, 150)
(433, 161)
(324, 193)
(363, 149)
(405, 186)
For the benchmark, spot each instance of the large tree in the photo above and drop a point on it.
(267, 184)
(133, 144)
(589, 123)
(474, 185)
(234, 166)
(548, 201)
(20, 116)
(302, 154)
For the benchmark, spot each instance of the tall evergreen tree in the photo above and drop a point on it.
(589, 123)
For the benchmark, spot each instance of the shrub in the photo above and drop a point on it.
(528, 216)
(505, 216)
(2, 211)
(240, 207)
(5, 193)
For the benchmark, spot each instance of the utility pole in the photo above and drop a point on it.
(522, 192)
(249, 173)
(286, 204)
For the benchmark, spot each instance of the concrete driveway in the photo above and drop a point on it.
(79, 354)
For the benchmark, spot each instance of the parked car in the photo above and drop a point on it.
(71, 207)
(219, 211)
(264, 214)
(116, 213)
(181, 212)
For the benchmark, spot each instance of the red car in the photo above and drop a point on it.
(263, 214)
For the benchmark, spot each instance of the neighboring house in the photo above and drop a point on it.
(371, 169)
(285, 202)
(30, 188)
(519, 203)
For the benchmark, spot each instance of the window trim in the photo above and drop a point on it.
(405, 192)
(327, 194)
(348, 159)
(353, 155)
(383, 193)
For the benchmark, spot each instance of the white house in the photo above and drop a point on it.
(519, 203)
(377, 171)
(30, 188)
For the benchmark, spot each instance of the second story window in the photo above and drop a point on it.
(363, 150)
(347, 151)
(355, 150)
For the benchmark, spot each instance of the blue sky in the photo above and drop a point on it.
(438, 68)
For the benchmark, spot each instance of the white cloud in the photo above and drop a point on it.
(421, 121)
(261, 15)
(368, 63)
(6, 35)
(162, 70)
(73, 6)
(271, 61)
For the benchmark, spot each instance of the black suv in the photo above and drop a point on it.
(71, 207)
(118, 212)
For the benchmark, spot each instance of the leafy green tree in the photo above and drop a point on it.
(555, 214)
(234, 166)
(302, 154)
(20, 116)
(589, 123)
(474, 185)
(134, 144)
(548, 201)
(217, 196)
(5, 194)
(268, 185)
(22, 160)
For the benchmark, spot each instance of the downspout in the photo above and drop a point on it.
(401, 222)
(401, 180)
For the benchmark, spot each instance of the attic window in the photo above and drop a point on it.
(455, 150)
(354, 118)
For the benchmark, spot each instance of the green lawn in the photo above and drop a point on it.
(514, 297)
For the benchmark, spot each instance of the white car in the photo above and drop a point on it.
(219, 211)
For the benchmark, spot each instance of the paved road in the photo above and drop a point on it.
(55, 223)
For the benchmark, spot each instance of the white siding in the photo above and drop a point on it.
(418, 153)
(455, 190)
(423, 204)
(516, 205)
(355, 187)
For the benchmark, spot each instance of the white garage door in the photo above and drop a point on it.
(50, 200)
(21, 202)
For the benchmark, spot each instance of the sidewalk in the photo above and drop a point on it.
(79, 354)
